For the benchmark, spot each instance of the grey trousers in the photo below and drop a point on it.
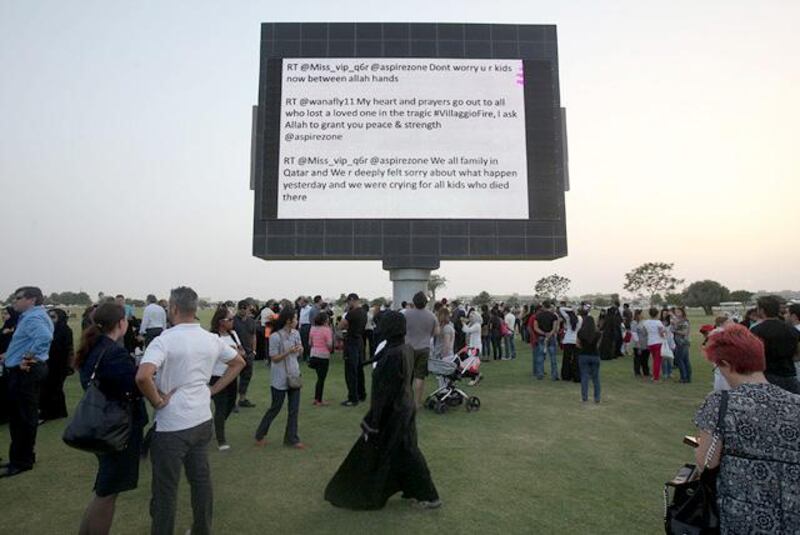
(171, 451)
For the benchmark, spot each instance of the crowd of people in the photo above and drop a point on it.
(181, 368)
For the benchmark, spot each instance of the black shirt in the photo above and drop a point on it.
(546, 319)
(588, 337)
(245, 330)
(780, 344)
(356, 322)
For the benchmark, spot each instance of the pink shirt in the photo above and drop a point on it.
(321, 340)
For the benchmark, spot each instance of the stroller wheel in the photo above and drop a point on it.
(473, 404)
(430, 403)
(440, 408)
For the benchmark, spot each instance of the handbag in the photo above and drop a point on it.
(693, 509)
(293, 381)
(504, 330)
(100, 425)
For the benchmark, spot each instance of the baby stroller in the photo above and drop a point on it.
(450, 371)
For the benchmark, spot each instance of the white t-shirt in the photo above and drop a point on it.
(304, 312)
(654, 329)
(153, 317)
(221, 366)
(184, 358)
(511, 321)
(634, 332)
(266, 315)
(570, 334)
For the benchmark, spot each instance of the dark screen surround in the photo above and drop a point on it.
(416, 243)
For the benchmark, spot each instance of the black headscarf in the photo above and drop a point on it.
(393, 328)
(61, 317)
(61, 346)
(11, 322)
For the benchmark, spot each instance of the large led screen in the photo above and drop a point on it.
(402, 138)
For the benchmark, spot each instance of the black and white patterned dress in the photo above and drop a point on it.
(759, 479)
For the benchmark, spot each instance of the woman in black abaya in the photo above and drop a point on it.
(9, 320)
(52, 403)
(386, 459)
(612, 333)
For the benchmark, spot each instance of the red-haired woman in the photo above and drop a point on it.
(759, 451)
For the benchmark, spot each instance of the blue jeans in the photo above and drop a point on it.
(486, 346)
(666, 367)
(511, 350)
(682, 361)
(538, 358)
(590, 368)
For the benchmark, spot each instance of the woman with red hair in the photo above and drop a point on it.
(758, 486)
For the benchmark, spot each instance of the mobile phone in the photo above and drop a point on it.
(691, 441)
(686, 473)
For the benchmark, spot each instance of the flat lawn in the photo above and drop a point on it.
(534, 459)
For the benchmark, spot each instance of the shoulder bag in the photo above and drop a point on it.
(693, 509)
(293, 381)
(100, 425)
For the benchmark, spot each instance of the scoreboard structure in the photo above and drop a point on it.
(370, 105)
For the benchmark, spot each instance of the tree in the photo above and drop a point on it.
(341, 300)
(513, 301)
(435, 281)
(706, 294)
(651, 278)
(742, 296)
(68, 299)
(552, 287)
(483, 298)
(379, 301)
(674, 299)
(602, 301)
(656, 300)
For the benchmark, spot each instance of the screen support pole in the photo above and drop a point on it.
(406, 282)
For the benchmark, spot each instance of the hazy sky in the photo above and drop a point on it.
(125, 144)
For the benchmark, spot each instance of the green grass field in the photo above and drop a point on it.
(534, 459)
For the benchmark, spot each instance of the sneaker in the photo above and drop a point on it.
(261, 443)
(324, 403)
(316, 403)
(224, 447)
(297, 446)
(348, 403)
(434, 504)
(246, 403)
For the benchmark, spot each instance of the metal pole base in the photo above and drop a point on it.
(406, 282)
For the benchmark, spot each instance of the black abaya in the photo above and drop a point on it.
(52, 403)
(386, 459)
(612, 332)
